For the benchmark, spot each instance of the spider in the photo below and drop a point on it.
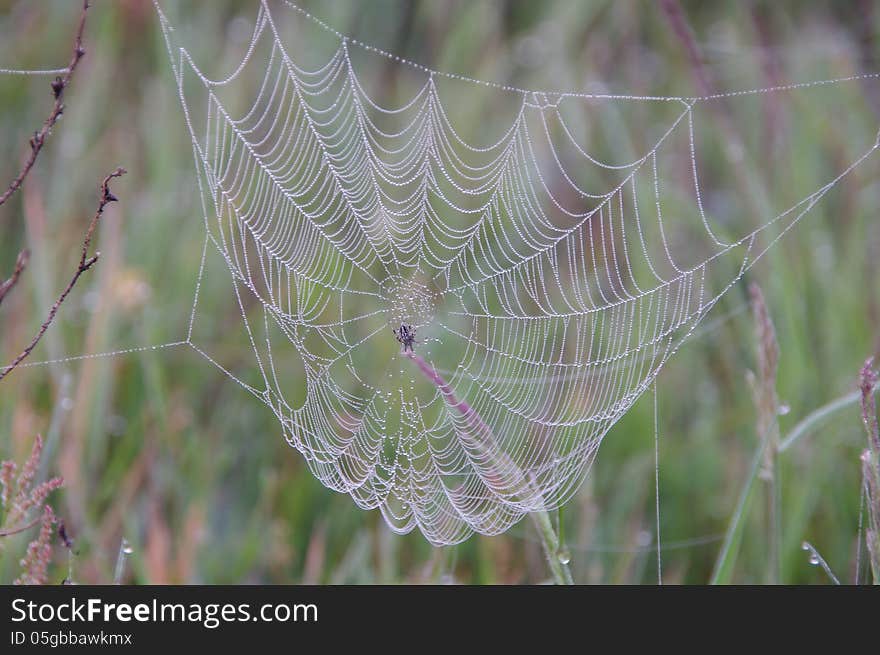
(405, 334)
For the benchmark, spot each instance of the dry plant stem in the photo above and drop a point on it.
(20, 264)
(867, 385)
(764, 464)
(553, 548)
(85, 263)
(58, 86)
(678, 22)
(767, 405)
(752, 189)
(21, 528)
(38, 140)
(871, 466)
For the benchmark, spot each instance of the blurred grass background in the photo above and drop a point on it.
(162, 449)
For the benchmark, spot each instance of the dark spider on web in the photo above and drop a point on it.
(405, 334)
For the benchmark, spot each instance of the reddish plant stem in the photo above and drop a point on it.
(550, 541)
(21, 528)
(58, 86)
(474, 419)
(767, 405)
(752, 190)
(20, 264)
(39, 139)
(871, 466)
(681, 27)
(85, 263)
(867, 385)
(437, 380)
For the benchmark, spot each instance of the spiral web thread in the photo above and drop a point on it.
(544, 306)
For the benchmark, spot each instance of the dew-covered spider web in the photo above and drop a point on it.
(547, 285)
(548, 269)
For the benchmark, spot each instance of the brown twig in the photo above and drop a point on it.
(21, 528)
(20, 264)
(39, 138)
(58, 86)
(871, 466)
(85, 263)
(867, 385)
(679, 23)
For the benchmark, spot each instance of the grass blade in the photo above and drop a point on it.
(723, 570)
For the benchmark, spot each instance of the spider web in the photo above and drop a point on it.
(547, 285)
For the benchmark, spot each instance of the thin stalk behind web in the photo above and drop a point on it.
(554, 550)
(765, 461)
(767, 406)
(753, 190)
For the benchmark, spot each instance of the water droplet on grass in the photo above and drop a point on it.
(564, 556)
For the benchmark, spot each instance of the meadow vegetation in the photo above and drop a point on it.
(762, 437)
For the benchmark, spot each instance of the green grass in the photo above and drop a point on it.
(162, 449)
